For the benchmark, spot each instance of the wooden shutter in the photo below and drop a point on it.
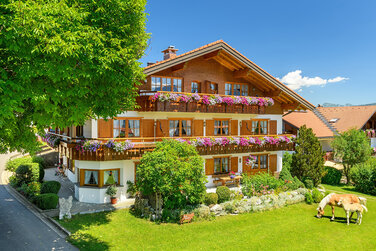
(234, 164)
(246, 128)
(105, 128)
(234, 127)
(209, 167)
(273, 127)
(198, 128)
(272, 163)
(162, 128)
(210, 127)
(147, 129)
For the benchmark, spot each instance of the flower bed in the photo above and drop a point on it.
(213, 99)
(371, 133)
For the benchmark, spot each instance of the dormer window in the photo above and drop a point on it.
(333, 120)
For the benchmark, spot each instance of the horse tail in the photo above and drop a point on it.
(362, 200)
(365, 208)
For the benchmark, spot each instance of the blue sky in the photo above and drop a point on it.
(334, 40)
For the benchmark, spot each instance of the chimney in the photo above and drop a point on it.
(150, 63)
(170, 52)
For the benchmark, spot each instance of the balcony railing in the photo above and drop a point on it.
(147, 104)
(70, 147)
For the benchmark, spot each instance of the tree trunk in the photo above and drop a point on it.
(346, 169)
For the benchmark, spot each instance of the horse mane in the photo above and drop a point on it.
(325, 201)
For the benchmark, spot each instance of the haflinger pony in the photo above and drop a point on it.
(333, 199)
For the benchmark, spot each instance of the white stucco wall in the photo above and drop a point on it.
(87, 129)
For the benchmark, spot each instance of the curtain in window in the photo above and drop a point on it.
(186, 128)
(111, 177)
(217, 166)
(256, 164)
(245, 90)
(174, 128)
(224, 127)
(91, 177)
(225, 165)
(237, 90)
(228, 89)
(133, 128)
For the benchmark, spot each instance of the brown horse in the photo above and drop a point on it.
(333, 199)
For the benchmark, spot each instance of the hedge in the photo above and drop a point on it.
(332, 176)
(27, 173)
(47, 201)
(50, 187)
(223, 194)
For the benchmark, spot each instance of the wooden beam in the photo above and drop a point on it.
(242, 73)
(230, 59)
(224, 63)
(273, 94)
(211, 55)
(291, 106)
(179, 67)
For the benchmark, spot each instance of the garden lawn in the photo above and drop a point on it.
(290, 228)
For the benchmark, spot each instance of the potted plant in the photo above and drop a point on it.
(111, 191)
(232, 174)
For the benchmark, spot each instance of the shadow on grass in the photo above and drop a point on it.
(341, 220)
(351, 189)
(79, 223)
(87, 242)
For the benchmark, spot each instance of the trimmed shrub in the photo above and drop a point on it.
(308, 183)
(223, 194)
(50, 187)
(211, 199)
(41, 173)
(27, 173)
(13, 164)
(332, 176)
(40, 160)
(308, 198)
(30, 190)
(47, 201)
(316, 195)
(364, 178)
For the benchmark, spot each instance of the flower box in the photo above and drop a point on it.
(234, 108)
(160, 106)
(192, 107)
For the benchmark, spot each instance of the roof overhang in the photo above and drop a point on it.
(220, 45)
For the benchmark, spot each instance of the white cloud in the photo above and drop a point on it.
(295, 80)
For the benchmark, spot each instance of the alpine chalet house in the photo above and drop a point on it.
(212, 97)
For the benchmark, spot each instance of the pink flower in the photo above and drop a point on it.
(205, 100)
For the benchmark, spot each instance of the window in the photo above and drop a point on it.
(261, 162)
(195, 87)
(221, 165)
(125, 128)
(236, 89)
(221, 127)
(180, 128)
(79, 131)
(166, 84)
(111, 177)
(213, 88)
(91, 178)
(259, 126)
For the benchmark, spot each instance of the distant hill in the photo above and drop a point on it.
(338, 105)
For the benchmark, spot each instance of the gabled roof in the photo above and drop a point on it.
(311, 120)
(348, 116)
(239, 63)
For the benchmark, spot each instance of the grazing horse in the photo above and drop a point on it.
(333, 199)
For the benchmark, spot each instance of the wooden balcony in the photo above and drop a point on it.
(146, 104)
(68, 147)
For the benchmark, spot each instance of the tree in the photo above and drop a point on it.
(175, 170)
(63, 62)
(308, 158)
(352, 147)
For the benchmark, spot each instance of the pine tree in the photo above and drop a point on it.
(308, 159)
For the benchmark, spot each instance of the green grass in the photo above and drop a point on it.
(289, 228)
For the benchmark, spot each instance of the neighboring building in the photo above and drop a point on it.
(215, 68)
(292, 121)
(329, 121)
